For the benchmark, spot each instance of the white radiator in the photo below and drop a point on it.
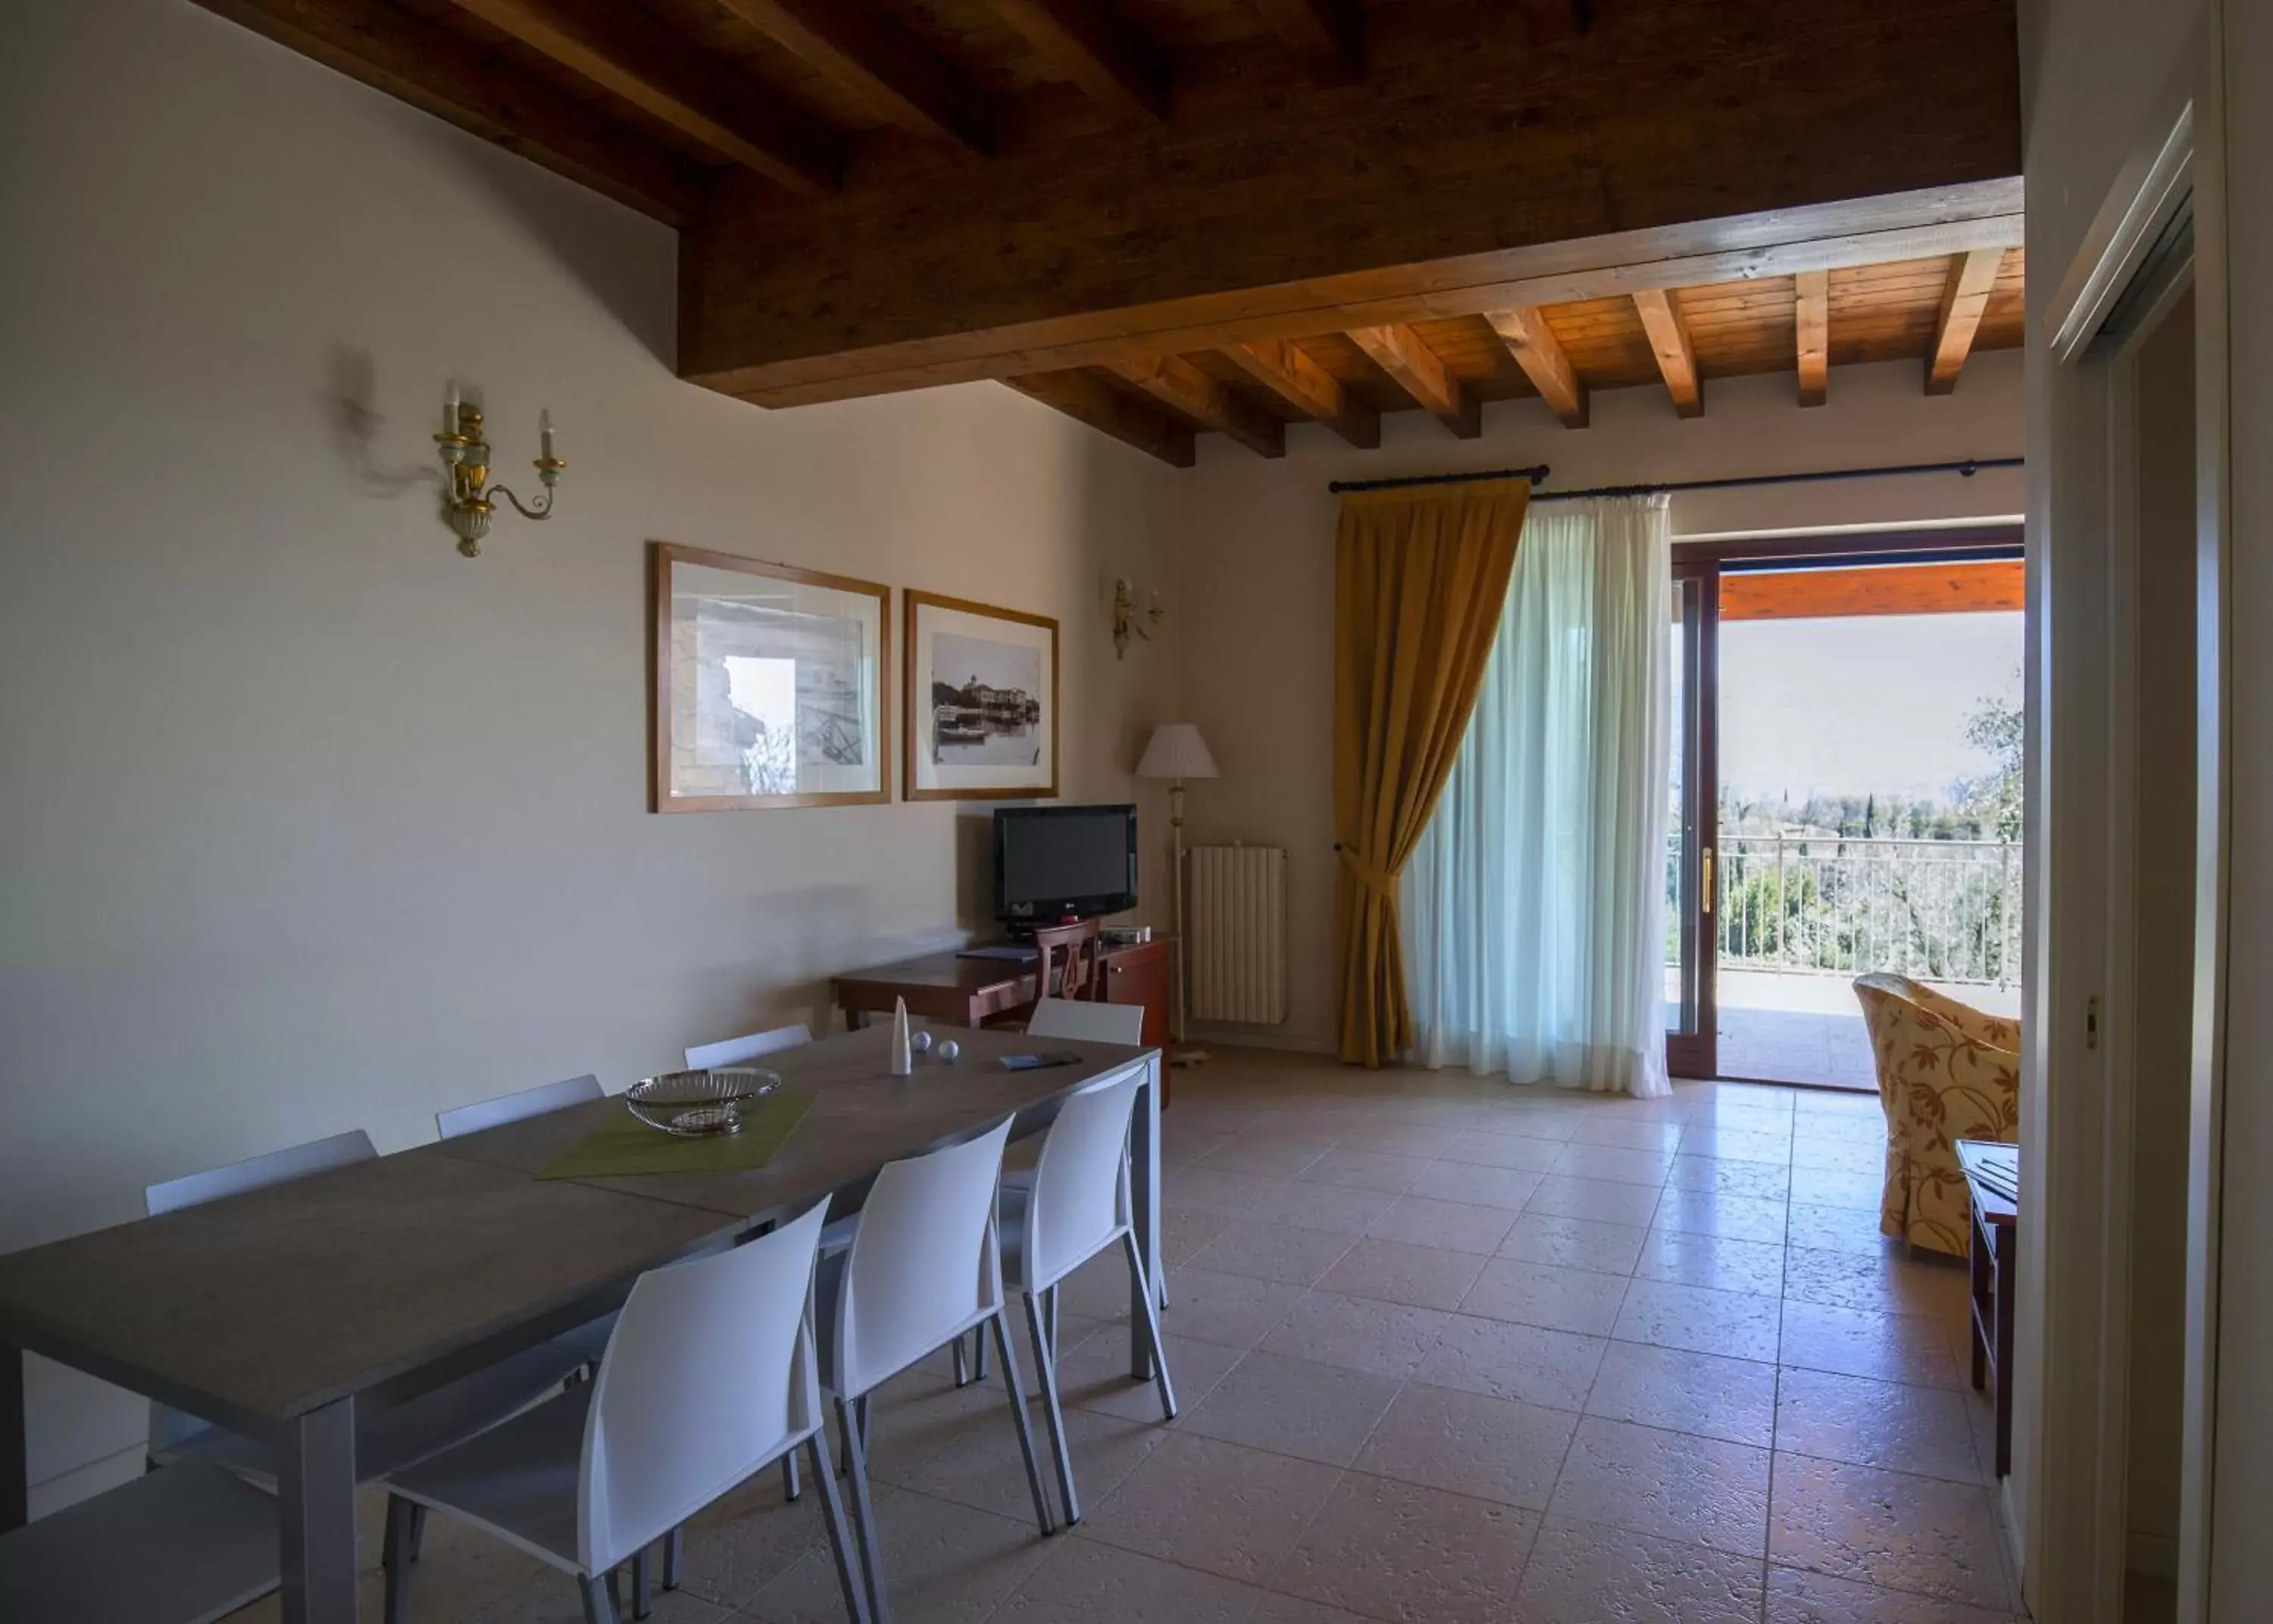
(1238, 933)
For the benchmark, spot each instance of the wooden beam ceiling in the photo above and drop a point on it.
(1971, 276)
(1094, 46)
(1288, 372)
(1177, 383)
(1677, 356)
(1811, 324)
(627, 53)
(432, 69)
(1416, 369)
(1089, 398)
(891, 71)
(1540, 354)
(1974, 586)
(1326, 36)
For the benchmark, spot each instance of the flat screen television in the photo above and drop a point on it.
(1056, 863)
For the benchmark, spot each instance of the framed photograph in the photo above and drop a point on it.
(982, 701)
(770, 684)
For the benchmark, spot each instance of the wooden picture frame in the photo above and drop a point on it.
(794, 708)
(1003, 652)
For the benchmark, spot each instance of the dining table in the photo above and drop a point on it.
(300, 1312)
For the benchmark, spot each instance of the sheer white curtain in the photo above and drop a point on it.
(1534, 906)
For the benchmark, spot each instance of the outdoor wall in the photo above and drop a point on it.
(308, 823)
(1258, 567)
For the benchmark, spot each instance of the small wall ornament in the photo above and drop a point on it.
(469, 503)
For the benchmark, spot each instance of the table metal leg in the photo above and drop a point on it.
(1145, 1209)
(315, 1517)
(15, 1478)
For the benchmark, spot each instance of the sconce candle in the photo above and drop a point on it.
(469, 504)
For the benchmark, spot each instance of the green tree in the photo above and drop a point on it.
(2000, 730)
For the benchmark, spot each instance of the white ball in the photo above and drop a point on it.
(950, 1050)
(920, 1042)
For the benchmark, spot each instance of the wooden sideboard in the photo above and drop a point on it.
(943, 986)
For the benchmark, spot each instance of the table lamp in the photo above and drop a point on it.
(1176, 752)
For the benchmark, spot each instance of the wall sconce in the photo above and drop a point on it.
(1124, 616)
(470, 502)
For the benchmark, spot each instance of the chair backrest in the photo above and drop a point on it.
(258, 1172)
(734, 1050)
(169, 1427)
(709, 1374)
(1080, 1200)
(513, 1107)
(923, 1264)
(1071, 965)
(1101, 1023)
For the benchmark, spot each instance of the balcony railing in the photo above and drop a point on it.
(1936, 910)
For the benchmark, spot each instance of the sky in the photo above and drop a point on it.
(1869, 705)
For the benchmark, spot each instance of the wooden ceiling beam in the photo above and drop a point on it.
(1540, 354)
(1098, 49)
(1415, 369)
(628, 54)
(1812, 320)
(898, 76)
(1668, 340)
(1326, 36)
(1085, 396)
(1177, 382)
(1288, 371)
(1971, 276)
(1970, 587)
(426, 65)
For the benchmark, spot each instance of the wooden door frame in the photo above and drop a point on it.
(1706, 562)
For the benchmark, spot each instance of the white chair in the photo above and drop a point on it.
(385, 1439)
(506, 1108)
(1087, 1022)
(1076, 1205)
(735, 1051)
(923, 1268)
(711, 1375)
(181, 1544)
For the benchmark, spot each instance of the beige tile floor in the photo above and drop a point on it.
(1446, 1351)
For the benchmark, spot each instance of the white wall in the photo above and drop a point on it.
(309, 823)
(1258, 566)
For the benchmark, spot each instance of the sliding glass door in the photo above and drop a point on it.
(1689, 1019)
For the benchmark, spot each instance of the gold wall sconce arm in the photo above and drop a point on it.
(469, 502)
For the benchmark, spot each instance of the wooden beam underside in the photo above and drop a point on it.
(1089, 399)
(1326, 36)
(1971, 276)
(1416, 369)
(897, 75)
(1288, 372)
(1677, 358)
(428, 67)
(629, 55)
(1540, 354)
(1668, 129)
(1176, 383)
(1811, 324)
(1983, 587)
(1095, 46)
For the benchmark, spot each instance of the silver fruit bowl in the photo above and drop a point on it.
(698, 1105)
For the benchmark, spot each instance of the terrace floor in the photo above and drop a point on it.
(1807, 1028)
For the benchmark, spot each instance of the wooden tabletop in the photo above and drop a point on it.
(861, 1118)
(275, 1303)
(1971, 1155)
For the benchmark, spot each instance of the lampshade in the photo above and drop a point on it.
(1177, 751)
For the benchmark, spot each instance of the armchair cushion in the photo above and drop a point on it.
(1946, 1072)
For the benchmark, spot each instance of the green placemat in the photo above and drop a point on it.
(629, 1146)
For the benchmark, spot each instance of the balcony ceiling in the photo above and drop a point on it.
(1178, 217)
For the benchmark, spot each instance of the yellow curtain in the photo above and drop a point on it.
(1420, 578)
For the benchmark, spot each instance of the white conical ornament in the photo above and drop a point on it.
(903, 1063)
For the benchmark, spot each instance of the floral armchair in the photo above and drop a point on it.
(1946, 1072)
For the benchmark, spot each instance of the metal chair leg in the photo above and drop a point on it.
(1152, 1328)
(864, 1511)
(599, 1598)
(789, 1477)
(1045, 1369)
(639, 1583)
(674, 1557)
(1002, 1324)
(394, 1559)
(961, 1365)
(979, 1364)
(840, 1544)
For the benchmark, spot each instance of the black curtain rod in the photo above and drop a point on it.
(1537, 474)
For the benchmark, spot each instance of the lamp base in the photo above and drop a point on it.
(1188, 1055)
